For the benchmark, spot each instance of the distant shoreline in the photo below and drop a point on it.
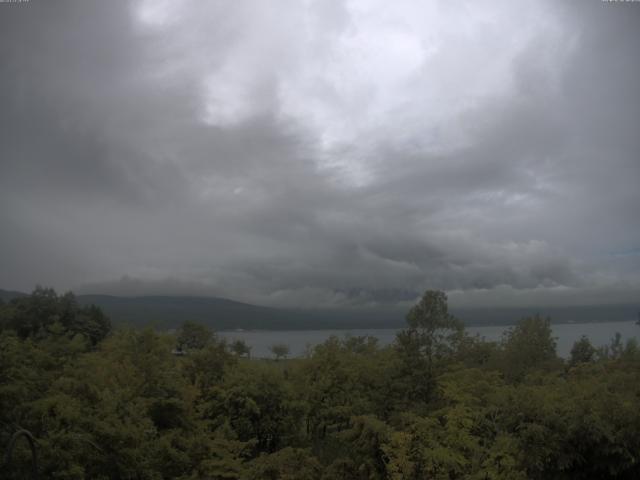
(475, 325)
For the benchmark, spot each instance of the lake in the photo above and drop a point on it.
(299, 340)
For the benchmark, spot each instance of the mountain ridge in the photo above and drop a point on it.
(169, 311)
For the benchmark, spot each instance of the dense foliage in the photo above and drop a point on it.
(437, 404)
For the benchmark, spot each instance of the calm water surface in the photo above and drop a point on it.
(300, 340)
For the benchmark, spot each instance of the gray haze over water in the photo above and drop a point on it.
(300, 341)
(322, 153)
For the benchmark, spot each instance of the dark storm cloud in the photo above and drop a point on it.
(71, 81)
(322, 153)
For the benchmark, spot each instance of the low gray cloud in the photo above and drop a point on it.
(322, 153)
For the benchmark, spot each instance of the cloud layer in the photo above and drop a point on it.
(322, 152)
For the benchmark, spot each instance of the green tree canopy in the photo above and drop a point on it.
(193, 336)
(432, 336)
(240, 348)
(280, 350)
(582, 351)
(44, 313)
(527, 346)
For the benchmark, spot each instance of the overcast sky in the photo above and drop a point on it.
(322, 153)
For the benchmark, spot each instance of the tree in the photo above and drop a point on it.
(206, 367)
(432, 335)
(91, 322)
(258, 405)
(240, 348)
(193, 336)
(527, 346)
(286, 464)
(432, 323)
(44, 313)
(582, 351)
(614, 350)
(280, 350)
(365, 439)
(32, 315)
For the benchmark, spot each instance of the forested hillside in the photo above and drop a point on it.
(437, 404)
